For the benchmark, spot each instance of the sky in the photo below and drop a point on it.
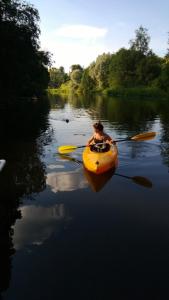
(77, 31)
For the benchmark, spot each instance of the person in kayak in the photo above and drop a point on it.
(100, 141)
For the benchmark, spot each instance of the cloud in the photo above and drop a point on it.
(80, 32)
(75, 44)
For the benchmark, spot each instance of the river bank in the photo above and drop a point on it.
(137, 92)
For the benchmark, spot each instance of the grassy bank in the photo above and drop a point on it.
(64, 89)
(138, 92)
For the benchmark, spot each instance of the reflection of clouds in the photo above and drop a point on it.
(37, 224)
(2, 164)
(66, 181)
(52, 167)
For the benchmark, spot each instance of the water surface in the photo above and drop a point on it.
(60, 238)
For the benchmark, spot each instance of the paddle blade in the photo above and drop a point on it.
(66, 149)
(142, 181)
(144, 136)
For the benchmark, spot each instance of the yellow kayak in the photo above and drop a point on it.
(100, 162)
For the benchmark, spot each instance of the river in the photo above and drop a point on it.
(66, 235)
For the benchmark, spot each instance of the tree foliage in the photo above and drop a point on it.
(76, 67)
(87, 82)
(141, 41)
(57, 77)
(100, 70)
(76, 76)
(23, 65)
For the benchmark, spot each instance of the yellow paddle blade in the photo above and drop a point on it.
(66, 149)
(144, 136)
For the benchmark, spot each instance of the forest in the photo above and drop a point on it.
(136, 70)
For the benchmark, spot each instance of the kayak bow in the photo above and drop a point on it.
(100, 162)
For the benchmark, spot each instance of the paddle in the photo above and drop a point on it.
(136, 179)
(139, 137)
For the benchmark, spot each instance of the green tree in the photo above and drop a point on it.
(163, 80)
(76, 67)
(141, 41)
(76, 76)
(123, 68)
(148, 69)
(24, 67)
(57, 77)
(87, 83)
(99, 71)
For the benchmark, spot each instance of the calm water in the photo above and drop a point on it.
(60, 239)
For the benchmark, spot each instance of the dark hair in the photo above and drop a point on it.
(98, 126)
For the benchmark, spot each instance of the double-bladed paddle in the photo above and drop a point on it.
(139, 137)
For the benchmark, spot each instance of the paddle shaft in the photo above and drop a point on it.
(138, 137)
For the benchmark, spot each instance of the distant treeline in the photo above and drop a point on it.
(136, 70)
(24, 67)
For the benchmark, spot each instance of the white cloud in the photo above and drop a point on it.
(75, 44)
(80, 32)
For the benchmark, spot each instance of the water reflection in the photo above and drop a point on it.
(126, 117)
(97, 182)
(24, 173)
(66, 181)
(38, 224)
(31, 172)
(164, 118)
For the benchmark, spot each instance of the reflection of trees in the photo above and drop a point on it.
(21, 145)
(8, 215)
(164, 118)
(57, 101)
(126, 116)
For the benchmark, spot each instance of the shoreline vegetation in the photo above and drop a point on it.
(136, 92)
(136, 71)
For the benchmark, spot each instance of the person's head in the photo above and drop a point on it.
(98, 127)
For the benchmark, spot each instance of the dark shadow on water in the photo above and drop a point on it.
(23, 133)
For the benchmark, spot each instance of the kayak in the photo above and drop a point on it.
(2, 164)
(100, 162)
